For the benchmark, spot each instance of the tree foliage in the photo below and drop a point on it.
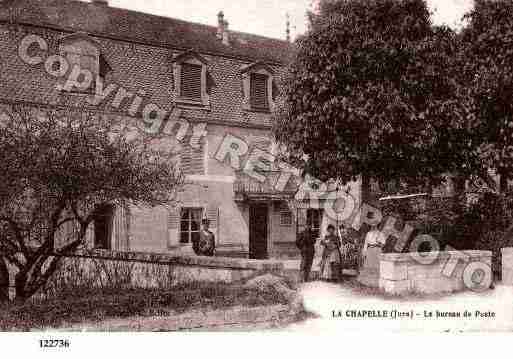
(488, 73)
(375, 89)
(57, 168)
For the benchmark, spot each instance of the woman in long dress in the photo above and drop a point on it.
(331, 258)
(373, 247)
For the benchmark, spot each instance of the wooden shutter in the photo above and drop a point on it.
(212, 215)
(259, 93)
(173, 224)
(190, 81)
(192, 160)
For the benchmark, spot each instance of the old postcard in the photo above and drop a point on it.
(299, 166)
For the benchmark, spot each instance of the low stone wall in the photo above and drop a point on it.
(507, 266)
(104, 269)
(403, 273)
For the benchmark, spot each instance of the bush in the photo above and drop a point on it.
(95, 305)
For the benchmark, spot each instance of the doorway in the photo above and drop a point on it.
(103, 222)
(258, 231)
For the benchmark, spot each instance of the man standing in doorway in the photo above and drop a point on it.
(207, 241)
(306, 244)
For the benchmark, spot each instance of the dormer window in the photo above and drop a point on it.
(259, 96)
(190, 74)
(257, 84)
(190, 82)
(81, 50)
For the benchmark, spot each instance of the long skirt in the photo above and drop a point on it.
(330, 266)
(372, 258)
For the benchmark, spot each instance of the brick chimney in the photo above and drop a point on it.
(220, 25)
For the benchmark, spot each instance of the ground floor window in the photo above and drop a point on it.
(312, 217)
(190, 224)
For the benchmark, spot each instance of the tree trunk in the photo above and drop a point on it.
(20, 286)
(30, 279)
(366, 190)
(4, 281)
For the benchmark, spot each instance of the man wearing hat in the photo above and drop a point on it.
(206, 244)
(306, 244)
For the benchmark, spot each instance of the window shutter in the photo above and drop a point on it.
(86, 57)
(213, 216)
(190, 80)
(173, 219)
(264, 144)
(173, 223)
(192, 160)
(259, 94)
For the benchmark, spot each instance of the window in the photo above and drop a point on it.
(259, 92)
(190, 224)
(190, 80)
(192, 160)
(258, 87)
(311, 216)
(285, 217)
(103, 218)
(82, 51)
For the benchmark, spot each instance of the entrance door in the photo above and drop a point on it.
(258, 214)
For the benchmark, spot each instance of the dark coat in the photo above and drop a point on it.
(306, 243)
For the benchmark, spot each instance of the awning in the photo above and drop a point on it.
(247, 188)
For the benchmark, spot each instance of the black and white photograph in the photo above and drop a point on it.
(240, 166)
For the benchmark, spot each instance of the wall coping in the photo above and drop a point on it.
(182, 259)
(407, 257)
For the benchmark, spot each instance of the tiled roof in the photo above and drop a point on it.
(73, 15)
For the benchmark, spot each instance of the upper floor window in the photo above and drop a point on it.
(192, 159)
(258, 85)
(191, 82)
(82, 51)
(190, 77)
(259, 96)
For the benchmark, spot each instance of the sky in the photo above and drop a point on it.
(266, 17)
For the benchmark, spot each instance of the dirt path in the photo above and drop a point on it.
(322, 299)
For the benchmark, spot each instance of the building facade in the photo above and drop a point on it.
(217, 83)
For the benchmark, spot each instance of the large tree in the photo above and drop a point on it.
(374, 89)
(56, 169)
(488, 73)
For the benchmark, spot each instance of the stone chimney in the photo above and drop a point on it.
(222, 29)
(226, 34)
(287, 30)
(220, 25)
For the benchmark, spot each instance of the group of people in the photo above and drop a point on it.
(340, 250)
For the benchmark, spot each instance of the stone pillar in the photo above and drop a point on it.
(393, 274)
(507, 266)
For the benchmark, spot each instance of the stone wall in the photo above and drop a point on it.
(507, 266)
(103, 269)
(403, 273)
